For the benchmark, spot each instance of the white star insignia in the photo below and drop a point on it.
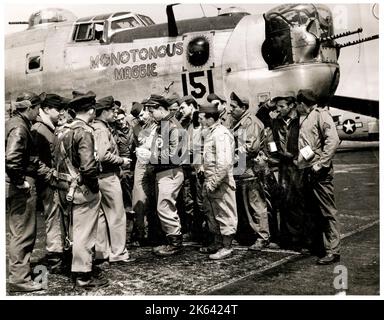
(349, 126)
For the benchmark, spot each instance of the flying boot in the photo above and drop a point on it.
(225, 251)
(214, 246)
(174, 246)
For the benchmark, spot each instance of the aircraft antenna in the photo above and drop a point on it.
(202, 10)
(358, 60)
(217, 8)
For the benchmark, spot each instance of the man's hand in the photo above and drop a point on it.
(25, 186)
(126, 162)
(316, 167)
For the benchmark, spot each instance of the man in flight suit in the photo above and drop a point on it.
(318, 141)
(75, 158)
(43, 133)
(166, 161)
(112, 224)
(20, 167)
(249, 134)
(219, 185)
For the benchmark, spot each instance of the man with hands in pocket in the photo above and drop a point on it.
(219, 185)
(318, 141)
(21, 168)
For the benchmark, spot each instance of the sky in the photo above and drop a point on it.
(359, 64)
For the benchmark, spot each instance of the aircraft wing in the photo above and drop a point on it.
(357, 105)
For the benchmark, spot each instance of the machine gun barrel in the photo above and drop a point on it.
(340, 35)
(18, 22)
(352, 43)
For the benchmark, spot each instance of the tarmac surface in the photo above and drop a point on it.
(270, 272)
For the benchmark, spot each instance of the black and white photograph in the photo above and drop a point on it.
(191, 149)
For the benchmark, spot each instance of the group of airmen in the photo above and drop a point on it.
(170, 171)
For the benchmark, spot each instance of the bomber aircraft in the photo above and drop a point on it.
(127, 55)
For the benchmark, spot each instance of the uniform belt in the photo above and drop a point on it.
(106, 174)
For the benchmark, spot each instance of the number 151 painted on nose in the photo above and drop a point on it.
(200, 88)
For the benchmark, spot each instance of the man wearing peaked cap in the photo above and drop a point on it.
(105, 103)
(80, 165)
(21, 166)
(83, 102)
(209, 108)
(112, 223)
(219, 186)
(156, 101)
(22, 105)
(43, 133)
(33, 98)
(167, 161)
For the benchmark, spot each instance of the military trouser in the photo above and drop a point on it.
(192, 213)
(22, 227)
(323, 203)
(221, 209)
(53, 220)
(112, 223)
(169, 183)
(251, 200)
(296, 221)
(84, 230)
(143, 202)
(126, 188)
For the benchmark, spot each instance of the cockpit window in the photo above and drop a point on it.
(125, 23)
(293, 33)
(147, 20)
(83, 32)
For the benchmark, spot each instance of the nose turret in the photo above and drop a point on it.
(294, 35)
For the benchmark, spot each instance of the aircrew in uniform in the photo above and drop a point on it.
(219, 186)
(75, 158)
(143, 204)
(112, 224)
(318, 142)
(43, 133)
(225, 115)
(249, 135)
(166, 161)
(20, 167)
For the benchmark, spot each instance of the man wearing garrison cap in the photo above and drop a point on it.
(78, 170)
(166, 160)
(318, 142)
(21, 165)
(219, 185)
(248, 131)
(43, 133)
(221, 102)
(112, 224)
